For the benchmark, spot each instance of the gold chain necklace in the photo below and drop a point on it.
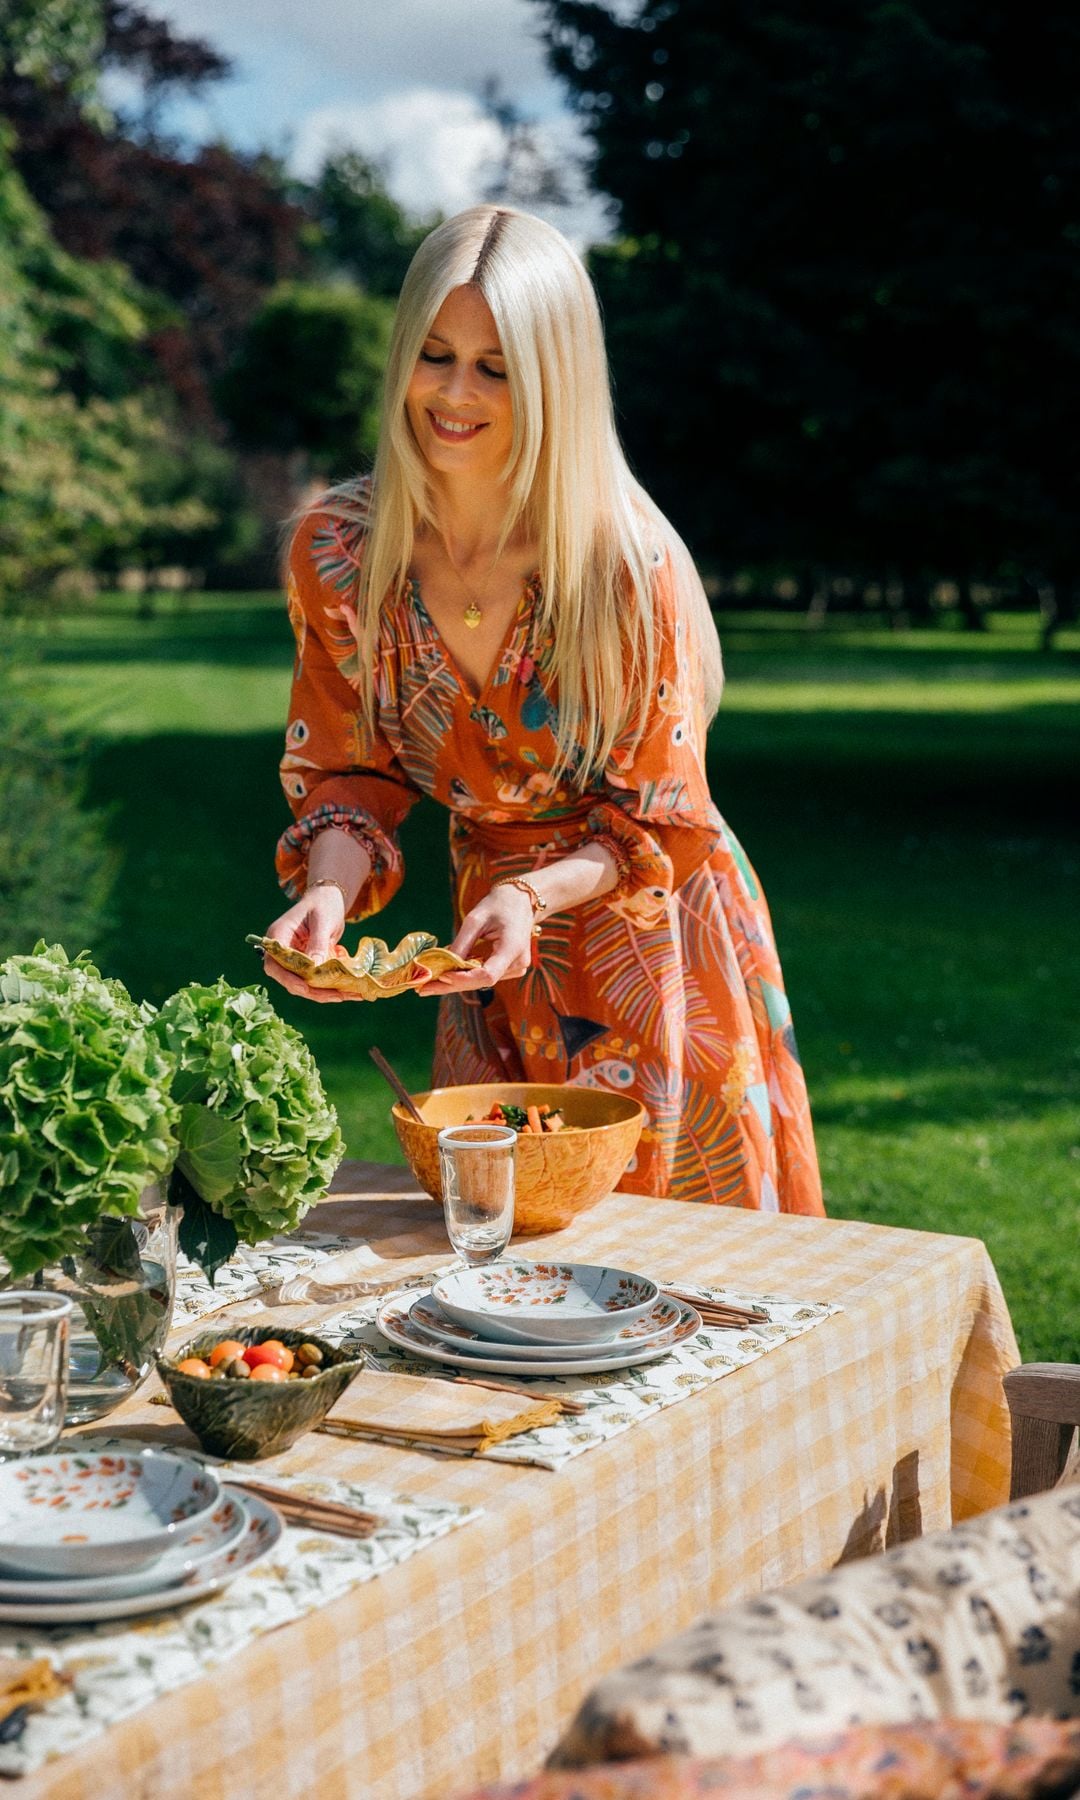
(473, 613)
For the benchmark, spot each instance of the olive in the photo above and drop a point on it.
(238, 1369)
(309, 1355)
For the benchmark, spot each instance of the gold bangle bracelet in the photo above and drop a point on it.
(538, 906)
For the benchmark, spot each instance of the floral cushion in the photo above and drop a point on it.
(944, 1761)
(981, 1622)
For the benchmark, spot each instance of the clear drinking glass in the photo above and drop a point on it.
(34, 1332)
(477, 1165)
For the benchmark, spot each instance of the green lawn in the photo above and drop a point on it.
(906, 799)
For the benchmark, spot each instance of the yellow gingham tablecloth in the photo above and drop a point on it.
(463, 1664)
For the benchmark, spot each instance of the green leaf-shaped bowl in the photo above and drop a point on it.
(252, 1419)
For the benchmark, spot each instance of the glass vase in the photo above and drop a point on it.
(122, 1284)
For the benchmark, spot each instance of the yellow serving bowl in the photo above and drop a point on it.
(558, 1174)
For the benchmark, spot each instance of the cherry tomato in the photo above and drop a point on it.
(273, 1351)
(225, 1352)
(268, 1372)
(194, 1365)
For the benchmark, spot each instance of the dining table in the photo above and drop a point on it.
(464, 1663)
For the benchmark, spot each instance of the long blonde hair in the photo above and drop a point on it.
(599, 534)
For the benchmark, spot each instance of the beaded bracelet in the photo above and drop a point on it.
(538, 906)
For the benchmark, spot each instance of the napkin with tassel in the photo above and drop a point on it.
(432, 1414)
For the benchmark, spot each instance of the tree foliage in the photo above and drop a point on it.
(76, 438)
(307, 375)
(843, 309)
(53, 44)
(361, 231)
(209, 232)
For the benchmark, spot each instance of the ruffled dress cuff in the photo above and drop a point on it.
(646, 877)
(387, 868)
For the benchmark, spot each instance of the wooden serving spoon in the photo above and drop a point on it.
(397, 1084)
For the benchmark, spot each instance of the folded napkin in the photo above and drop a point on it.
(435, 1414)
(26, 1685)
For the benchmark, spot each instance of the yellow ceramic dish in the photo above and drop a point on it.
(372, 971)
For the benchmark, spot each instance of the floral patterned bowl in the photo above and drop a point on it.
(546, 1303)
(77, 1512)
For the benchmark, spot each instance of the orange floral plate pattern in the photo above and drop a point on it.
(433, 1323)
(546, 1303)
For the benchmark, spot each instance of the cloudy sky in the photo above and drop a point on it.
(399, 79)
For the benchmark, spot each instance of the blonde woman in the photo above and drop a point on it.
(503, 619)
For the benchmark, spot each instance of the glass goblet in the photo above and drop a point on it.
(477, 1166)
(34, 1333)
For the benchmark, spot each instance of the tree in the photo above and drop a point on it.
(211, 232)
(307, 375)
(76, 440)
(843, 311)
(362, 232)
(53, 44)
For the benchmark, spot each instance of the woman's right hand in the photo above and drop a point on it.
(314, 925)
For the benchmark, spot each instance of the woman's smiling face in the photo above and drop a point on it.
(458, 399)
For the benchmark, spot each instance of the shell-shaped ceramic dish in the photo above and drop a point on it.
(90, 1512)
(546, 1302)
(372, 971)
(251, 1419)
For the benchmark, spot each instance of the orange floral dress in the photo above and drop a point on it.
(668, 988)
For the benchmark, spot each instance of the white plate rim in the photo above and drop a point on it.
(138, 1548)
(531, 1352)
(501, 1365)
(41, 1588)
(517, 1319)
(178, 1594)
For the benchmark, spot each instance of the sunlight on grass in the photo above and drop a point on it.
(94, 698)
(907, 798)
(884, 693)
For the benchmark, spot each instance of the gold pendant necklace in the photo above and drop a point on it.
(472, 613)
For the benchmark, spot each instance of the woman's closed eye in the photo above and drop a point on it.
(429, 356)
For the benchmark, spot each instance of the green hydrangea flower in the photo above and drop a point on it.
(87, 1120)
(259, 1139)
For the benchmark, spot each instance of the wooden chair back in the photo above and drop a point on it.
(1044, 1402)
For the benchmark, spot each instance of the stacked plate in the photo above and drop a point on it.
(88, 1535)
(525, 1318)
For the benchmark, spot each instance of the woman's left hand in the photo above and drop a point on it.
(502, 925)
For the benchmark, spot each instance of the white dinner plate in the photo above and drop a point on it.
(78, 1511)
(222, 1527)
(546, 1302)
(395, 1324)
(262, 1529)
(432, 1323)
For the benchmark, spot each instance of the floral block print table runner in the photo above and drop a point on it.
(254, 1269)
(624, 1398)
(118, 1667)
